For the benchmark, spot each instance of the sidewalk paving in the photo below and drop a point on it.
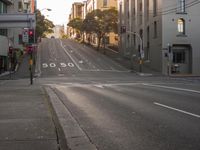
(25, 119)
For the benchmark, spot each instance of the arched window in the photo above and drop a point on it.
(181, 26)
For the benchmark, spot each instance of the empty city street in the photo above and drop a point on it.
(116, 108)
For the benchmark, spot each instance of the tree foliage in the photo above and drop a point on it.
(101, 22)
(43, 25)
(76, 23)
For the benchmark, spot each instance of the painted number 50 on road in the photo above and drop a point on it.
(53, 65)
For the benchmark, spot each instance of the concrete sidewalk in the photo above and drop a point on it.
(25, 118)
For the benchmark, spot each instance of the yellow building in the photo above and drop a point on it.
(102, 5)
(76, 12)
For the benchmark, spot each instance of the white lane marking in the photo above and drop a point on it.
(102, 70)
(99, 86)
(44, 65)
(70, 64)
(52, 65)
(172, 88)
(179, 110)
(61, 75)
(63, 65)
(70, 56)
(59, 69)
(80, 61)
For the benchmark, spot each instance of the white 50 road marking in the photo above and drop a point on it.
(60, 65)
(70, 56)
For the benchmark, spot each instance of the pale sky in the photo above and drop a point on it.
(60, 9)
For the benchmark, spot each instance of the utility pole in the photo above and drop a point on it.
(141, 51)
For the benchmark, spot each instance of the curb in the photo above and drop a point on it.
(71, 133)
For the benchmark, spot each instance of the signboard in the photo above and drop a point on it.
(17, 21)
(25, 36)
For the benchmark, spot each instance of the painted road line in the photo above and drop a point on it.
(102, 70)
(59, 69)
(179, 110)
(99, 86)
(70, 56)
(172, 88)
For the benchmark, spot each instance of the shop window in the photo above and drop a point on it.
(179, 57)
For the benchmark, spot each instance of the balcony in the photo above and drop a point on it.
(8, 2)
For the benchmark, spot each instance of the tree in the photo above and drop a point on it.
(77, 24)
(101, 22)
(43, 25)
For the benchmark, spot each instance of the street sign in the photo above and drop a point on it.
(25, 37)
(17, 21)
(142, 54)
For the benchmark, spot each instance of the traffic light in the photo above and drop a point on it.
(31, 36)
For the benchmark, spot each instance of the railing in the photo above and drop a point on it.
(8, 1)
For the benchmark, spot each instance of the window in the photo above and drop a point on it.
(105, 3)
(181, 26)
(4, 32)
(154, 8)
(3, 8)
(182, 6)
(155, 29)
(179, 57)
(147, 9)
(20, 7)
(148, 43)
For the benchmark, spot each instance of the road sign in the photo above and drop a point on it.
(25, 37)
(17, 21)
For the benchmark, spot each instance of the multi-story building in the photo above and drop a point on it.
(167, 31)
(4, 41)
(12, 37)
(20, 7)
(76, 12)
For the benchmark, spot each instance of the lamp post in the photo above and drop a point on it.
(141, 51)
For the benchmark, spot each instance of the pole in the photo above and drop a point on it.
(31, 67)
(141, 52)
(30, 49)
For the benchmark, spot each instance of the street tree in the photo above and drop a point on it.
(77, 24)
(101, 22)
(43, 25)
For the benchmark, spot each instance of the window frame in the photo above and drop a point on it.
(181, 26)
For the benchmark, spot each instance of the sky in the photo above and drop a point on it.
(60, 10)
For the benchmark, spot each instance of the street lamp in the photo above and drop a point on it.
(48, 9)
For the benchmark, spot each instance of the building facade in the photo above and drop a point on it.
(4, 41)
(77, 11)
(164, 32)
(12, 37)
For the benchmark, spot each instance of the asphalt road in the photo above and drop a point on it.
(117, 109)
